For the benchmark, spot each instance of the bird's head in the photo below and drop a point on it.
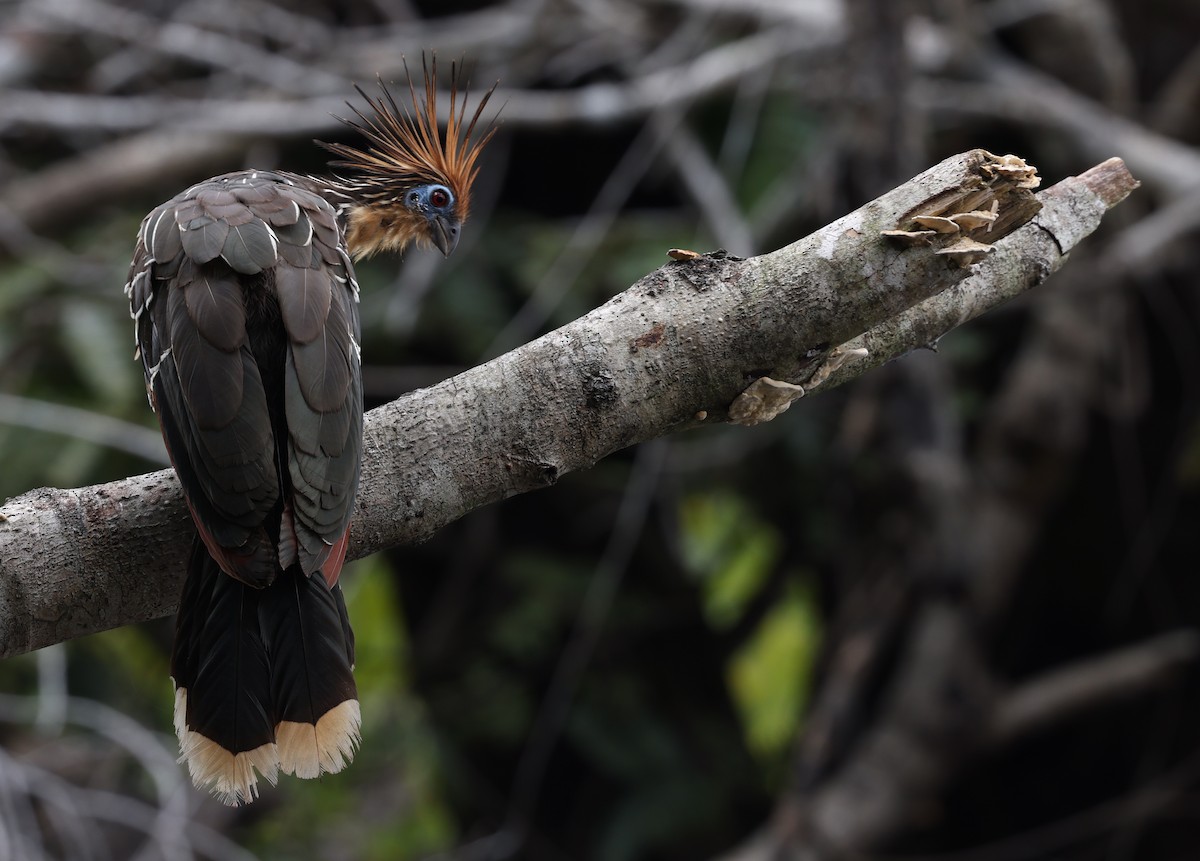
(410, 184)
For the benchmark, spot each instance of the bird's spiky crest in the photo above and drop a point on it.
(407, 147)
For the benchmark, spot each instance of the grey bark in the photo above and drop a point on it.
(670, 353)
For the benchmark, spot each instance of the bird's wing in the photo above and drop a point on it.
(247, 325)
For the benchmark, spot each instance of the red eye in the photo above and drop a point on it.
(439, 197)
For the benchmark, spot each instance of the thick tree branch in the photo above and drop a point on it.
(670, 353)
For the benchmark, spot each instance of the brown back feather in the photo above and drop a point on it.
(407, 148)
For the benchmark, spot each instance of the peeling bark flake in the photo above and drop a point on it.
(653, 338)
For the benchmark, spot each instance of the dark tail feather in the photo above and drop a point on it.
(223, 713)
(344, 616)
(312, 687)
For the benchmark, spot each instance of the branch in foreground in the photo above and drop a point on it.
(668, 354)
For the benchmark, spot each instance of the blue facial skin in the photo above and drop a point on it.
(436, 204)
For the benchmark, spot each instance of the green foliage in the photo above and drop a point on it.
(465, 312)
(126, 668)
(66, 338)
(771, 674)
(98, 341)
(785, 135)
(728, 550)
(21, 283)
(563, 282)
(18, 674)
(675, 780)
(733, 553)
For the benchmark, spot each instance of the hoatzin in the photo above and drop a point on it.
(245, 305)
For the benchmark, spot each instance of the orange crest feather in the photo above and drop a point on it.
(407, 147)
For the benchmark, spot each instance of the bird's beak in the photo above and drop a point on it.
(444, 233)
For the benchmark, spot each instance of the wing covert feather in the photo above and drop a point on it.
(253, 240)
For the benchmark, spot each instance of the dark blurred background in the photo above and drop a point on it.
(948, 611)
